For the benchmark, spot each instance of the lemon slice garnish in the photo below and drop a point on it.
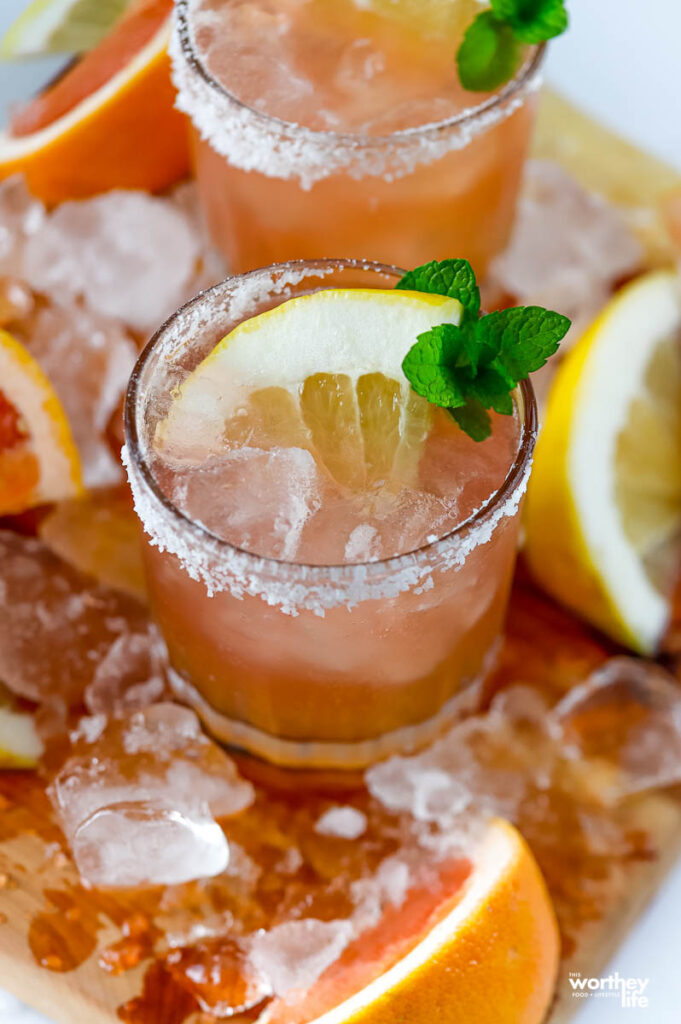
(322, 372)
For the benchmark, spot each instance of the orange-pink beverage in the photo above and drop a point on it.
(309, 621)
(342, 127)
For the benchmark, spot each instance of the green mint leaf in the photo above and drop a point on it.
(471, 354)
(428, 366)
(474, 367)
(533, 21)
(491, 390)
(489, 54)
(523, 337)
(473, 420)
(454, 278)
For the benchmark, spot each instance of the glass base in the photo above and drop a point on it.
(325, 756)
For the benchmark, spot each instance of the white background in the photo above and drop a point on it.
(622, 61)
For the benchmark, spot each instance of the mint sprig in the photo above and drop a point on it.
(491, 49)
(533, 21)
(474, 367)
(454, 278)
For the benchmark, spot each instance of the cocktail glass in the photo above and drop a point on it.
(274, 190)
(324, 666)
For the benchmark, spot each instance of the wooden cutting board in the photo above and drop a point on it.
(56, 938)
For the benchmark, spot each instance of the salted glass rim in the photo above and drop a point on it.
(523, 76)
(337, 573)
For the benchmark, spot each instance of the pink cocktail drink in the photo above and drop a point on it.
(314, 618)
(342, 126)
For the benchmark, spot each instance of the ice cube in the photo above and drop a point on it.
(259, 500)
(411, 113)
(128, 255)
(172, 733)
(568, 249)
(211, 268)
(293, 955)
(89, 728)
(130, 676)
(149, 842)
(247, 48)
(343, 822)
(58, 626)
(627, 714)
(375, 524)
(363, 544)
(428, 793)
(394, 878)
(386, 887)
(21, 216)
(484, 765)
(412, 518)
(137, 804)
(88, 358)
(359, 61)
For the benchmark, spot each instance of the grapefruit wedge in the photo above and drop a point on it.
(481, 949)
(38, 458)
(109, 121)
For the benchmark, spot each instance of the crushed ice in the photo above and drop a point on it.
(294, 954)
(110, 251)
(62, 634)
(83, 284)
(137, 800)
(569, 247)
(627, 717)
(258, 500)
(140, 795)
(568, 251)
(620, 727)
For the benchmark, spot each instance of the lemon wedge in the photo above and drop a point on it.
(603, 509)
(323, 372)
